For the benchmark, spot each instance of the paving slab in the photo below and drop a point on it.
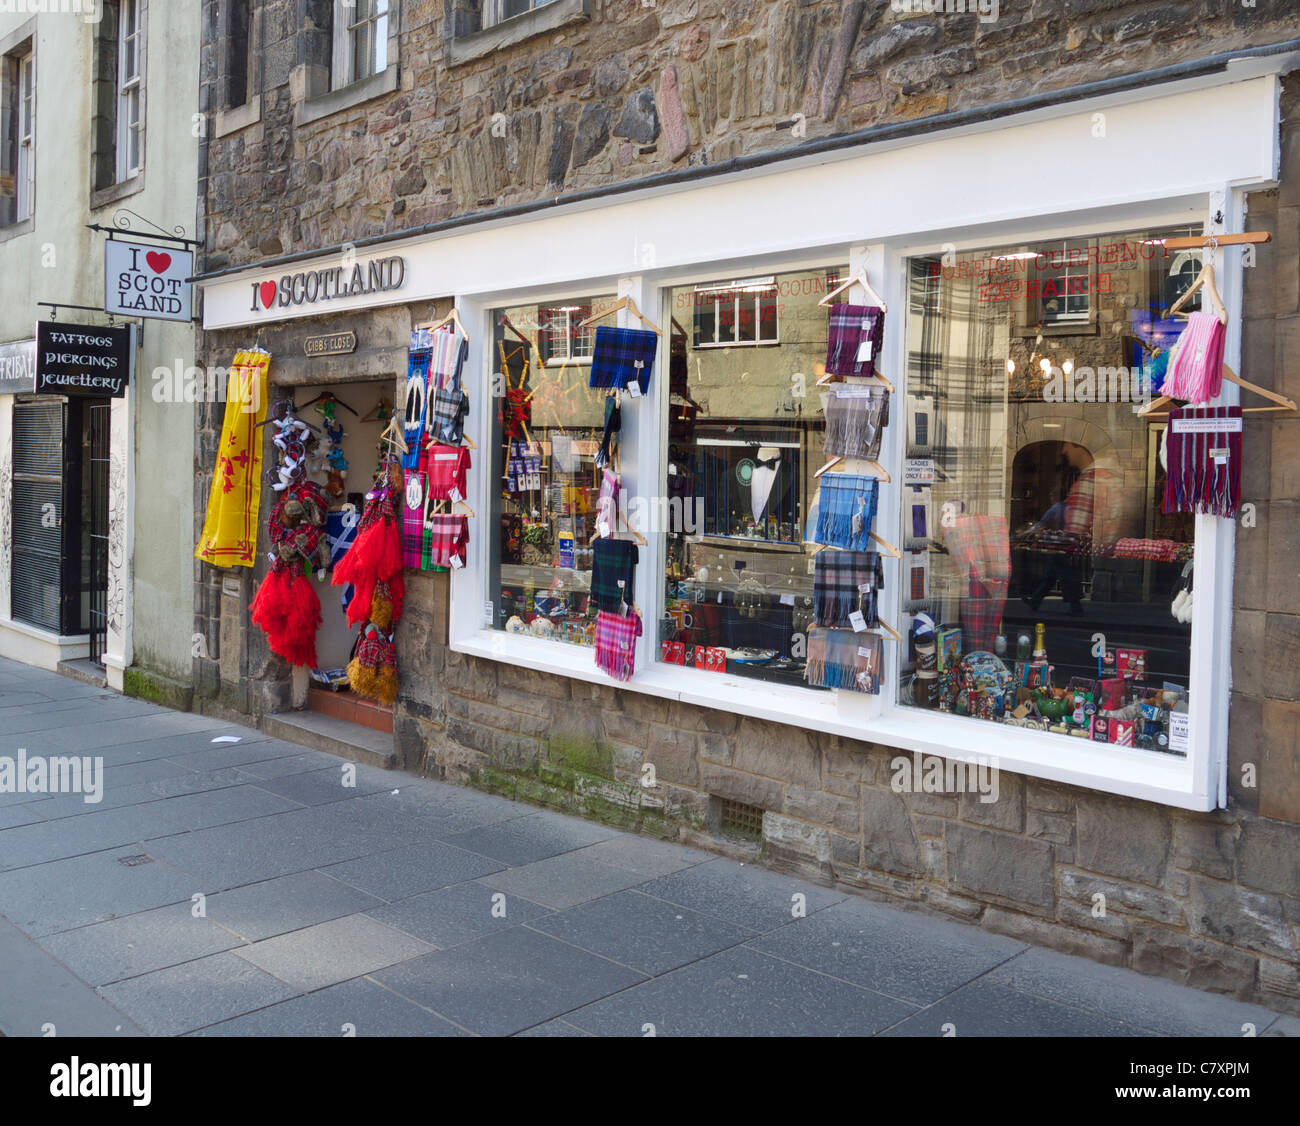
(352, 1008)
(287, 903)
(525, 839)
(26, 845)
(317, 787)
(902, 954)
(563, 881)
(645, 856)
(457, 914)
(138, 944)
(404, 872)
(183, 998)
(750, 897)
(553, 1028)
(648, 934)
(507, 982)
(743, 992)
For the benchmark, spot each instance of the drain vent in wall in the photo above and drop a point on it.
(739, 821)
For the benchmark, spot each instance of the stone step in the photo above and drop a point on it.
(334, 736)
(85, 670)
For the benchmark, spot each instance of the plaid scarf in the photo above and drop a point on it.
(1195, 372)
(417, 401)
(450, 403)
(616, 636)
(855, 421)
(446, 467)
(1203, 455)
(850, 327)
(446, 537)
(623, 355)
(607, 503)
(612, 561)
(845, 511)
(839, 577)
(413, 499)
(840, 658)
(981, 550)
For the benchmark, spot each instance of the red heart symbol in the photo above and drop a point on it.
(158, 262)
(267, 293)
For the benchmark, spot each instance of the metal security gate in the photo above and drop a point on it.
(37, 508)
(96, 527)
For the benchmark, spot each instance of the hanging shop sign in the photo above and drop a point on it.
(17, 367)
(83, 360)
(311, 287)
(332, 344)
(141, 280)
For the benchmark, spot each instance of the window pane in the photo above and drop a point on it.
(381, 45)
(1040, 524)
(362, 51)
(543, 460)
(745, 434)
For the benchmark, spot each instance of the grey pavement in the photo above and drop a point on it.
(230, 884)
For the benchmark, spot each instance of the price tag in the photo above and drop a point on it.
(634, 390)
(489, 613)
(867, 653)
(787, 600)
(864, 351)
(456, 563)
(719, 598)
(1180, 731)
(1220, 456)
(864, 588)
(858, 622)
(454, 494)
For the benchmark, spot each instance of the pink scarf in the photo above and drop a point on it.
(1196, 366)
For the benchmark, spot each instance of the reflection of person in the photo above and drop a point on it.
(1075, 516)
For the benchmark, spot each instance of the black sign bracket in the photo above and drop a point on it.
(122, 226)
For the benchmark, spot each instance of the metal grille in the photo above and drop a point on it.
(97, 422)
(36, 579)
(739, 821)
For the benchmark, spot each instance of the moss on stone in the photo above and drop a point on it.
(584, 756)
(156, 688)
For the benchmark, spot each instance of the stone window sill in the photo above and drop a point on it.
(102, 197)
(239, 117)
(526, 25)
(17, 230)
(347, 97)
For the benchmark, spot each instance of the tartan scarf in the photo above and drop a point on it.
(611, 561)
(1203, 472)
(446, 537)
(1195, 372)
(980, 548)
(450, 403)
(841, 658)
(855, 421)
(446, 467)
(838, 579)
(416, 407)
(413, 498)
(845, 511)
(850, 327)
(616, 636)
(623, 355)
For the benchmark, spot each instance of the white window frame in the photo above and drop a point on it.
(130, 91)
(740, 287)
(494, 11)
(25, 164)
(586, 338)
(347, 26)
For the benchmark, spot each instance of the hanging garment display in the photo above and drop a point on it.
(846, 508)
(413, 502)
(609, 437)
(845, 582)
(623, 356)
(767, 463)
(1203, 461)
(980, 548)
(450, 403)
(416, 408)
(856, 417)
(616, 636)
(229, 537)
(286, 607)
(613, 569)
(1195, 371)
(857, 333)
(376, 555)
(372, 671)
(341, 531)
(607, 503)
(445, 469)
(446, 540)
(841, 658)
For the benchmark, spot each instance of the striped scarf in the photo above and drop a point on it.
(855, 421)
(1204, 461)
(846, 508)
(1195, 372)
(840, 658)
(837, 585)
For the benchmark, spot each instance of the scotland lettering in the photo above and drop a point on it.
(62, 774)
(314, 286)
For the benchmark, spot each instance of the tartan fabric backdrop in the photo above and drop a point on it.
(413, 519)
(446, 467)
(850, 327)
(446, 537)
(622, 356)
(415, 407)
(981, 550)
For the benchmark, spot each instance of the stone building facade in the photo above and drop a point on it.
(480, 125)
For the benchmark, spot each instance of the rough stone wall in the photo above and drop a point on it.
(643, 89)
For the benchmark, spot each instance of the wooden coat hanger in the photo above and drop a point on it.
(878, 470)
(888, 630)
(451, 318)
(1285, 405)
(886, 548)
(328, 397)
(392, 434)
(858, 277)
(622, 303)
(1204, 278)
(384, 404)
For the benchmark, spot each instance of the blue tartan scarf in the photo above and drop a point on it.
(622, 356)
(846, 510)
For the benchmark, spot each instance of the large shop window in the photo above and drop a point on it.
(547, 432)
(744, 433)
(1034, 534)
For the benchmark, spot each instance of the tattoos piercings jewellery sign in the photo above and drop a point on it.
(83, 360)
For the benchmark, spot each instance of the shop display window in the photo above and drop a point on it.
(743, 436)
(547, 426)
(1041, 576)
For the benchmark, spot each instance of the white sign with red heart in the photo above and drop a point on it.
(141, 280)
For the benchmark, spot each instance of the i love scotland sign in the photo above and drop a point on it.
(146, 281)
